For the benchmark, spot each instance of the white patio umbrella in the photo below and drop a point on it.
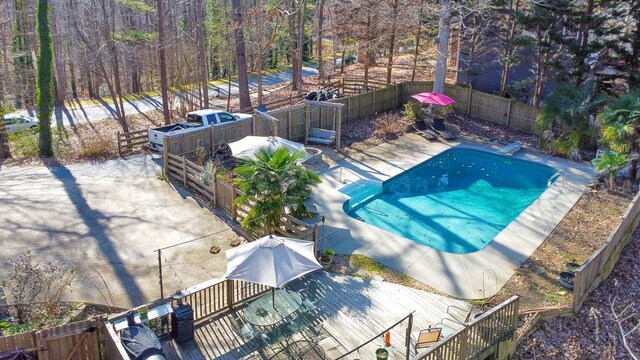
(246, 148)
(272, 260)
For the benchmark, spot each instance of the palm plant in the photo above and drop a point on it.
(609, 164)
(569, 109)
(269, 183)
(621, 128)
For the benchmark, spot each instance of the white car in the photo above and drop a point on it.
(15, 123)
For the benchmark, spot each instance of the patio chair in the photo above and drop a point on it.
(309, 296)
(425, 338)
(440, 129)
(421, 128)
(511, 148)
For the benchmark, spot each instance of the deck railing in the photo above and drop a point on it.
(480, 337)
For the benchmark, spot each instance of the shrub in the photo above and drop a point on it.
(25, 143)
(29, 282)
(414, 110)
(441, 112)
(388, 126)
(608, 166)
(97, 148)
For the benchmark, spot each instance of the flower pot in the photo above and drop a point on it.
(325, 262)
(572, 267)
(567, 279)
(382, 354)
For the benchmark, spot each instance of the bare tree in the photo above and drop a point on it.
(443, 47)
(164, 81)
(241, 57)
(628, 324)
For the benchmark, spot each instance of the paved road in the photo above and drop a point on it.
(107, 219)
(89, 113)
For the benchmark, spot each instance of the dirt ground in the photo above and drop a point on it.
(595, 333)
(577, 236)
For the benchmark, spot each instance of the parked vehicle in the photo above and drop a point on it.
(16, 123)
(322, 95)
(195, 120)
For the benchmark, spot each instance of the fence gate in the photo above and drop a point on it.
(76, 341)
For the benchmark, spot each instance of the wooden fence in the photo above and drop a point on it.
(131, 140)
(83, 340)
(497, 109)
(491, 333)
(598, 267)
(222, 195)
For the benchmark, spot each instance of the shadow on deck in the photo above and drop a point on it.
(350, 311)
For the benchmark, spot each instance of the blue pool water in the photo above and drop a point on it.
(456, 202)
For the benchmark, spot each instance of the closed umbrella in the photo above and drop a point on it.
(246, 148)
(272, 260)
(433, 98)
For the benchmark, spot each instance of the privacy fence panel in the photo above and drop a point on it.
(523, 116)
(460, 95)
(489, 107)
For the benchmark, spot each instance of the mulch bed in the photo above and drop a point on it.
(593, 333)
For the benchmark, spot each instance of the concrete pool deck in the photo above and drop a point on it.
(469, 276)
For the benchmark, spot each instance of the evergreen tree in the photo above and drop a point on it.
(45, 78)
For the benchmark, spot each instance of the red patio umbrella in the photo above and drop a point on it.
(433, 98)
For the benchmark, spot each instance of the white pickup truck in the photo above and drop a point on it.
(195, 120)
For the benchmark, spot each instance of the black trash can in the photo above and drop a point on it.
(182, 323)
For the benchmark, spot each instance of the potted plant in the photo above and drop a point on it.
(382, 354)
(326, 258)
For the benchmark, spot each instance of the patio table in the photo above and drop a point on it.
(270, 309)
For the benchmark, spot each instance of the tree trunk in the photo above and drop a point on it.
(5, 151)
(443, 47)
(299, 52)
(164, 82)
(241, 56)
(259, 63)
(392, 39)
(58, 53)
(291, 21)
(320, 11)
(417, 42)
(514, 5)
(202, 58)
(74, 85)
(45, 101)
(344, 51)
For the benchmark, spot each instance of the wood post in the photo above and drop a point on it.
(338, 129)
(212, 138)
(375, 104)
(234, 207)
(254, 125)
(165, 157)
(469, 102)
(41, 345)
(315, 239)
(464, 343)
(289, 124)
(306, 125)
(215, 191)
(230, 294)
(349, 108)
(509, 113)
(185, 179)
(119, 146)
(408, 337)
(275, 128)
(341, 84)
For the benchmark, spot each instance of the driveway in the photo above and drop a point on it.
(107, 219)
(70, 116)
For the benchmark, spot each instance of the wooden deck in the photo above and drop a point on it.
(350, 312)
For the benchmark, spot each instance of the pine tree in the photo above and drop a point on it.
(45, 78)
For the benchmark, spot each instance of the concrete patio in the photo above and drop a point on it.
(470, 276)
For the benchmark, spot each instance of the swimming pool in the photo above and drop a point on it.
(456, 202)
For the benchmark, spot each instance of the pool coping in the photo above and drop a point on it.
(473, 275)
